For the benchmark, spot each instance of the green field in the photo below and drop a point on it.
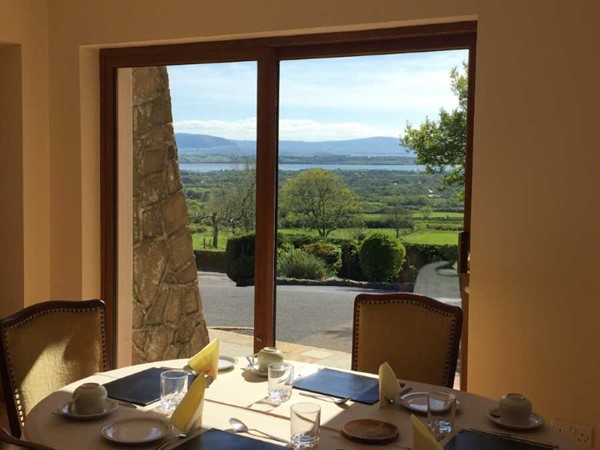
(434, 237)
(433, 218)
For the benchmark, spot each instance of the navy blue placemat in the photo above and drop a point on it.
(359, 388)
(141, 388)
(223, 440)
(472, 440)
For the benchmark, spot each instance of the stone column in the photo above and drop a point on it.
(167, 310)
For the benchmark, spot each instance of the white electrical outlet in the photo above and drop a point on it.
(581, 433)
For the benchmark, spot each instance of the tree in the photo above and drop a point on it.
(233, 204)
(398, 216)
(320, 200)
(240, 202)
(216, 212)
(441, 145)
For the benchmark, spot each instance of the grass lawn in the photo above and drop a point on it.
(432, 237)
(420, 237)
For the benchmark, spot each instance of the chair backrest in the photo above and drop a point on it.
(417, 335)
(8, 442)
(46, 346)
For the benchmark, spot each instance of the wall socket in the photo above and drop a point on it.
(581, 433)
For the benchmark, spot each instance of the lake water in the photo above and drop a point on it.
(213, 167)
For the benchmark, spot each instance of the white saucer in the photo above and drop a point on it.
(255, 371)
(66, 410)
(416, 401)
(137, 430)
(534, 421)
(226, 363)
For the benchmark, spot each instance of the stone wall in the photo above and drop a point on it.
(167, 311)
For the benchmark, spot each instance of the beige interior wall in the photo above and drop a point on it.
(534, 292)
(25, 225)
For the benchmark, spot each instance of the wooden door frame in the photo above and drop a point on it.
(267, 52)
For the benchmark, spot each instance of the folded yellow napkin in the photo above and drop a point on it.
(187, 417)
(422, 439)
(388, 385)
(206, 361)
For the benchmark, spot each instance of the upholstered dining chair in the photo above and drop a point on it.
(46, 346)
(417, 335)
(8, 442)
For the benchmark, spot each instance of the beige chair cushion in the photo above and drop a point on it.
(51, 349)
(414, 337)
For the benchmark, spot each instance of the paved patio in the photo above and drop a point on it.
(239, 345)
(433, 280)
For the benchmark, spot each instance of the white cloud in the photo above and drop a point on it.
(321, 99)
(289, 129)
(230, 129)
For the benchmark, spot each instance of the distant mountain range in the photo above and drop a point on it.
(203, 144)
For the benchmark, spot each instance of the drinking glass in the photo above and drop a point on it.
(281, 377)
(305, 422)
(441, 409)
(173, 386)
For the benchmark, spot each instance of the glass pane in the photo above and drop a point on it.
(346, 174)
(214, 117)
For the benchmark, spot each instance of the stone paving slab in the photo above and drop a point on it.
(240, 345)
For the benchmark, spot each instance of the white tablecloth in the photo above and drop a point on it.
(242, 395)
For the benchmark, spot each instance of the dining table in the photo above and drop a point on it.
(242, 394)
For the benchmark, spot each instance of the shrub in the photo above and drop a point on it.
(350, 268)
(211, 260)
(240, 259)
(297, 240)
(381, 257)
(417, 255)
(298, 264)
(330, 254)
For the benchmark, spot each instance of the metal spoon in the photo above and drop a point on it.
(336, 400)
(240, 427)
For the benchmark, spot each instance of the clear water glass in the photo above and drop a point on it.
(281, 376)
(441, 410)
(173, 386)
(305, 425)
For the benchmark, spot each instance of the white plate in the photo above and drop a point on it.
(226, 363)
(66, 410)
(534, 421)
(254, 371)
(417, 401)
(137, 430)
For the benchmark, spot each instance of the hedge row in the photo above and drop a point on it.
(238, 259)
(211, 261)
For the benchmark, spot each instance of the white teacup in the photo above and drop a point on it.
(88, 399)
(266, 356)
(514, 409)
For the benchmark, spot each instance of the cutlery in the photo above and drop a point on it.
(171, 439)
(336, 400)
(241, 427)
(516, 438)
(402, 392)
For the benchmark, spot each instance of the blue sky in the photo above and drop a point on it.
(320, 99)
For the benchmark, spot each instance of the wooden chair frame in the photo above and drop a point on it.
(424, 302)
(13, 406)
(8, 439)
